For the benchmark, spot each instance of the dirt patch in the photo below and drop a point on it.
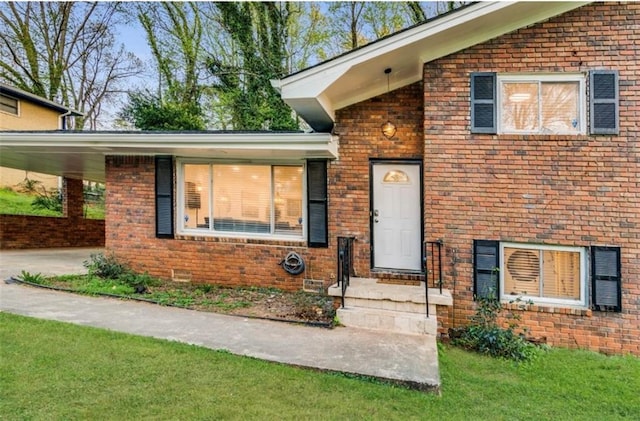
(254, 302)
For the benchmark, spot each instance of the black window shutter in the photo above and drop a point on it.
(483, 102)
(603, 102)
(606, 279)
(317, 214)
(164, 197)
(486, 263)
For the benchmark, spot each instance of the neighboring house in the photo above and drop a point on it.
(515, 154)
(24, 114)
(21, 110)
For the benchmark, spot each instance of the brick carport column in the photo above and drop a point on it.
(73, 198)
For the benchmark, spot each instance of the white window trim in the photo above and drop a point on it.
(580, 303)
(180, 202)
(581, 78)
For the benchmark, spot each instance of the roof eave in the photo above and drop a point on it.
(24, 95)
(317, 92)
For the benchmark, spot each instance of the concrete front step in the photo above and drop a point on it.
(368, 292)
(392, 321)
(399, 308)
(390, 305)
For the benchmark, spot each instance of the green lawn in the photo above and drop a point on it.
(57, 371)
(14, 203)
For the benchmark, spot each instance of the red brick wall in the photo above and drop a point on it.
(130, 235)
(565, 190)
(130, 232)
(71, 230)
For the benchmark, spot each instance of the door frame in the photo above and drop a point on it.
(392, 161)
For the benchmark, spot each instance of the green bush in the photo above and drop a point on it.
(483, 334)
(33, 278)
(51, 202)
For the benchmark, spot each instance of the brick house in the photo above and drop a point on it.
(513, 169)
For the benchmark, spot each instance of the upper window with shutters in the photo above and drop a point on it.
(544, 103)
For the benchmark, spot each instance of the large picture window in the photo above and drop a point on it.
(551, 104)
(242, 199)
(548, 274)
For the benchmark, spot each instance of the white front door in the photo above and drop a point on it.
(396, 216)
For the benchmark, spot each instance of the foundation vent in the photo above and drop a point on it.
(180, 275)
(313, 285)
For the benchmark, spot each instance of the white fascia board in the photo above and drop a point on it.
(88, 138)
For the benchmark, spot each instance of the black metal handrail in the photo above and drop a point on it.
(345, 263)
(432, 249)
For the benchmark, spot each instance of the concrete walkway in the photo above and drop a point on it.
(408, 359)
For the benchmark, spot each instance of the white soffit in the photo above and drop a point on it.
(82, 155)
(317, 92)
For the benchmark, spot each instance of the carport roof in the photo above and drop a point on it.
(82, 155)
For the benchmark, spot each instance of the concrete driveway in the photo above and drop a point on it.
(62, 261)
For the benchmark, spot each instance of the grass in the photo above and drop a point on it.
(14, 203)
(54, 371)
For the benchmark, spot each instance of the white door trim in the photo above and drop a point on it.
(396, 215)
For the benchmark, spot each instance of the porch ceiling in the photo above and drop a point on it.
(317, 92)
(81, 155)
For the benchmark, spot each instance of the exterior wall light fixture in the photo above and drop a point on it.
(388, 128)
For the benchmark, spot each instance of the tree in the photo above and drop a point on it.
(65, 52)
(146, 111)
(356, 23)
(258, 33)
(174, 33)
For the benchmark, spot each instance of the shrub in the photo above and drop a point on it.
(107, 267)
(483, 334)
(139, 282)
(51, 201)
(45, 199)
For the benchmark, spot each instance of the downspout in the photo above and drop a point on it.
(64, 119)
(64, 128)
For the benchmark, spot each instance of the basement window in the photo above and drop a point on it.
(552, 275)
(543, 274)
